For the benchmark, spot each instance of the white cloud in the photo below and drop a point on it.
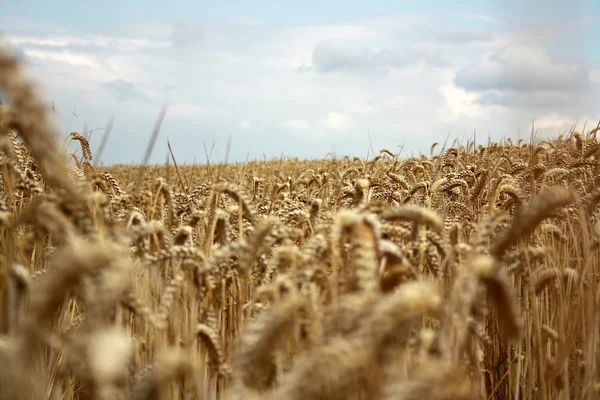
(57, 41)
(62, 56)
(553, 120)
(339, 121)
(245, 125)
(560, 122)
(297, 124)
(364, 109)
(105, 42)
(551, 125)
(186, 35)
(459, 104)
(395, 101)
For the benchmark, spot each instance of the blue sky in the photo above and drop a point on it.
(304, 78)
(86, 14)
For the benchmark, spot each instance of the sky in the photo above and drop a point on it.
(307, 79)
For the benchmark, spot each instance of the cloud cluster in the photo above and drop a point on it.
(338, 121)
(124, 91)
(301, 89)
(522, 69)
(343, 56)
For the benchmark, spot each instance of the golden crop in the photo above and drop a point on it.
(472, 274)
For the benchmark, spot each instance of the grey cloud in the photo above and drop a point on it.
(329, 56)
(186, 34)
(522, 69)
(124, 90)
(540, 100)
(168, 88)
(304, 68)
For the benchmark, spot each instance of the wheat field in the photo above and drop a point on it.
(469, 274)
